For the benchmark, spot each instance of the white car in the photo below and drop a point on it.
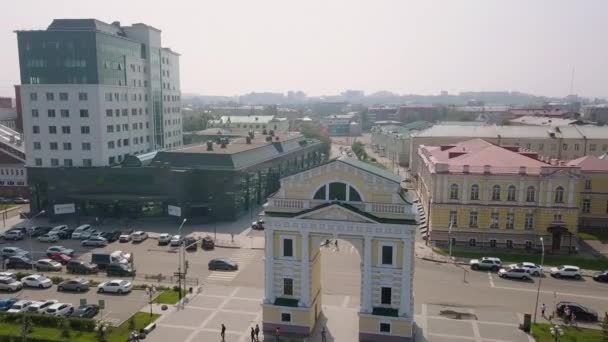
(123, 257)
(176, 240)
(48, 237)
(532, 268)
(566, 271)
(20, 306)
(124, 238)
(87, 234)
(10, 284)
(59, 309)
(8, 275)
(40, 306)
(37, 280)
(139, 236)
(119, 286)
(515, 272)
(164, 239)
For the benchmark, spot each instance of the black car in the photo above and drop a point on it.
(191, 244)
(39, 230)
(111, 236)
(223, 264)
(81, 267)
(581, 312)
(119, 270)
(601, 277)
(20, 262)
(86, 311)
(23, 230)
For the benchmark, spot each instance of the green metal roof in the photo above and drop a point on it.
(371, 169)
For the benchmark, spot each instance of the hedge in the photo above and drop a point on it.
(79, 324)
(20, 339)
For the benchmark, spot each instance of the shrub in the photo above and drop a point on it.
(21, 274)
(56, 280)
(82, 324)
(176, 288)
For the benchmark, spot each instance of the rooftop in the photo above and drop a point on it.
(245, 119)
(494, 131)
(237, 144)
(544, 121)
(590, 163)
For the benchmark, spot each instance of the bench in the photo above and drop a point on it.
(148, 329)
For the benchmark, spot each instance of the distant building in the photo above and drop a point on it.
(594, 192)
(548, 112)
(596, 113)
(244, 124)
(393, 141)
(342, 124)
(544, 121)
(8, 113)
(382, 114)
(6, 102)
(411, 113)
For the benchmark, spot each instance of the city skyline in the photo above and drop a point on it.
(323, 49)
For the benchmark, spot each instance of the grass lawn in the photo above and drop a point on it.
(168, 297)
(550, 260)
(571, 334)
(121, 333)
(6, 206)
(586, 236)
(53, 334)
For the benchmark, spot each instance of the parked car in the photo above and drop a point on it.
(164, 239)
(39, 230)
(14, 235)
(87, 234)
(103, 258)
(10, 284)
(81, 267)
(6, 303)
(60, 309)
(40, 306)
(20, 261)
(48, 265)
(223, 264)
(582, 312)
(486, 263)
(515, 272)
(94, 241)
(566, 271)
(75, 284)
(23, 230)
(191, 243)
(207, 243)
(80, 230)
(122, 257)
(176, 240)
(139, 236)
(20, 200)
(60, 249)
(20, 306)
(86, 311)
(37, 280)
(601, 276)
(60, 258)
(120, 270)
(124, 238)
(258, 225)
(13, 251)
(119, 286)
(8, 274)
(48, 237)
(532, 268)
(63, 231)
(111, 236)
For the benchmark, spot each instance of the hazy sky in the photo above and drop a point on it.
(231, 47)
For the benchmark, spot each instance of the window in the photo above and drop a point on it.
(111, 160)
(493, 243)
(37, 145)
(496, 193)
(134, 111)
(528, 244)
(557, 218)
(288, 286)
(509, 243)
(511, 193)
(565, 147)
(117, 112)
(576, 147)
(530, 194)
(559, 195)
(110, 128)
(52, 130)
(87, 162)
(385, 295)
(454, 192)
(541, 147)
(592, 147)
(494, 219)
(83, 96)
(65, 113)
(67, 146)
(51, 113)
(54, 162)
(108, 112)
(353, 195)
(125, 142)
(387, 255)
(35, 129)
(529, 223)
(34, 113)
(63, 96)
(510, 221)
(34, 97)
(385, 327)
(474, 192)
(50, 97)
(125, 127)
(453, 218)
(110, 145)
(38, 161)
(472, 242)
(473, 219)
(134, 125)
(285, 317)
(66, 129)
(84, 113)
(86, 146)
(337, 191)
(67, 162)
(85, 129)
(288, 248)
(586, 206)
(588, 184)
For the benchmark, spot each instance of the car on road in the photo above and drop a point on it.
(601, 277)
(37, 280)
(48, 237)
(20, 200)
(191, 243)
(118, 286)
(48, 265)
(532, 268)
(581, 312)
(566, 271)
(13, 251)
(6, 303)
(75, 284)
(20, 261)
(40, 306)
(81, 267)
(224, 264)
(111, 236)
(120, 270)
(164, 239)
(94, 241)
(60, 249)
(20, 306)
(60, 258)
(257, 225)
(139, 236)
(80, 231)
(515, 272)
(59, 309)
(10, 284)
(14, 235)
(39, 230)
(86, 311)
(486, 263)
(176, 240)
(207, 243)
(124, 238)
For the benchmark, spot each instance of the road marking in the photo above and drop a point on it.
(201, 326)
(424, 323)
(345, 301)
(491, 279)
(449, 336)
(242, 257)
(550, 292)
(475, 326)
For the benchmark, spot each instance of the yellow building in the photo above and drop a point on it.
(497, 196)
(593, 188)
(353, 201)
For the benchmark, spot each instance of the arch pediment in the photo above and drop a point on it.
(335, 213)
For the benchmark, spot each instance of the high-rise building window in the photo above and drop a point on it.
(52, 129)
(50, 97)
(110, 128)
(34, 97)
(110, 145)
(87, 162)
(53, 146)
(67, 146)
(63, 96)
(38, 161)
(67, 162)
(65, 113)
(86, 146)
(85, 130)
(83, 96)
(111, 160)
(84, 113)
(37, 145)
(51, 113)
(54, 162)
(35, 129)
(66, 129)
(109, 112)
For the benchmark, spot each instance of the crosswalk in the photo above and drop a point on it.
(242, 257)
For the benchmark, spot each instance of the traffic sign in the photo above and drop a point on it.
(102, 304)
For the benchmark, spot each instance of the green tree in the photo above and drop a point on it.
(359, 150)
(316, 131)
(65, 330)
(131, 323)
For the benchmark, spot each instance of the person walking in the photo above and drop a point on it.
(277, 334)
(223, 333)
(566, 313)
(542, 310)
(252, 335)
(257, 333)
(573, 319)
(323, 335)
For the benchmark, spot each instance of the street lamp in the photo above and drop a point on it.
(30, 239)
(150, 291)
(556, 332)
(540, 277)
(179, 263)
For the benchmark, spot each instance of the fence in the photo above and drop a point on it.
(163, 278)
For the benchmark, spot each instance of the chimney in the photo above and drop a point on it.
(486, 169)
(209, 145)
(522, 170)
(248, 140)
(465, 168)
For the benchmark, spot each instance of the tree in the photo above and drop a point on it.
(131, 323)
(316, 131)
(65, 330)
(359, 150)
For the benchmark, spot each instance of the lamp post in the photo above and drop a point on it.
(179, 264)
(151, 291)
(540, 278)
(30, 240)
(556, 332)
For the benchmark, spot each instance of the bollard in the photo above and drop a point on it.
(190, 290)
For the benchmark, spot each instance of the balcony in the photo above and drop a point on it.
(287, 204)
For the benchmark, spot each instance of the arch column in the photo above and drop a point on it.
(406, 305)
(269, 267)
(305, 272)
(366, 305)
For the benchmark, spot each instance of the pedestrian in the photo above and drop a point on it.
(566, 313)
(336, 243)
(542, 310)
(252, 335)
(573, 318)
(257, 333)
(277, 333)
(323, 335)
(223, 333)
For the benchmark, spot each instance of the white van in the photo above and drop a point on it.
(79, 230)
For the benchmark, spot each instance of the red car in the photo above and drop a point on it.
(60, 257)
